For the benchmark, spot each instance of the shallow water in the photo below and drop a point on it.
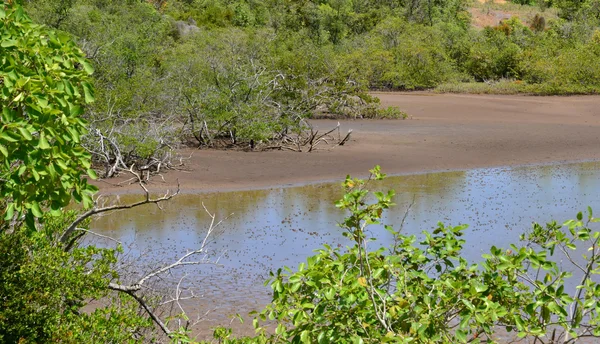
(282, 226)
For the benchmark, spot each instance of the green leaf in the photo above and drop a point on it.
(35, 209)
(357, 340)
(4, 151)
(464, 321)
(480, 287)
(92, 174)
(9, 212)
(87, 66)
(35, 174)
(25, 133)
(321, 338)
(60, 163)
(88, 92)
(461, 335)
(43, 143)
(304, 336)
(6, 137)
(8, 43)
(87, 201)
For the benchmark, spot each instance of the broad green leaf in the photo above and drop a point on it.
(8, 43)
(92, 174)
(25, 133)
(60, 163)
(35, 209)
(87, 201)
(19, 97)
(304, 336)
(7, 137)
(88, 92)
(35, 174)
(43, 143)
(357, 340)
(87, 66)
(461, 336)
(464, 321)
(9, 212)
(480, 287)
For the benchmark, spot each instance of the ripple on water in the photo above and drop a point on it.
(276, 227)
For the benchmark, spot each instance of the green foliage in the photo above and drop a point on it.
(557, 296)
(45, 86)
(523, 2)
(494, 56)
(44, 290)
(234, 72)
(428, 293)
(252, 85)
(46, 286)
(420, 60)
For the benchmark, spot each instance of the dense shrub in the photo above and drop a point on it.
(250, 70)
(493, 56)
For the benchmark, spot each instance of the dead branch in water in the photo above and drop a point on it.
(68, 239)
(139, 289)
(135, 290)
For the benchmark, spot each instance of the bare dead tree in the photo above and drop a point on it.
(140, 289)
(308, 140)
(118, 143)
(198, 256)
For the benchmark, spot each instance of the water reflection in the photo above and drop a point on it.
(276, 227)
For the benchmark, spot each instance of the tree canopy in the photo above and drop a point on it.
(45, 87)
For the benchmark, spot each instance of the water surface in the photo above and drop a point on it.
(282, 226)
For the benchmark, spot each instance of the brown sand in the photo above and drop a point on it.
(446, 132)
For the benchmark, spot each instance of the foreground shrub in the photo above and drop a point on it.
(428, 293)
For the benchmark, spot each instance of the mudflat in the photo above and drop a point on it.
(443, 132)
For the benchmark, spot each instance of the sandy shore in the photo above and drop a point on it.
(445, 132)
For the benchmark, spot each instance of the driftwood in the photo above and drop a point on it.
(309, 139)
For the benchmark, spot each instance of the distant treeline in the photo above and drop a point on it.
(204, 72)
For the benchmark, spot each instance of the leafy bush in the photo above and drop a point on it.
(428, 293)
(420, 60)
(44, 289)
(493, 56)
(44, 88)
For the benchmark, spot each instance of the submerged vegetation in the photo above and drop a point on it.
(248, 72)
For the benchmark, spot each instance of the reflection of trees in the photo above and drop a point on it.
(588, 177)
(419, 188)
(307, 208)
(182, 208)
(564, 175)
(270, 228)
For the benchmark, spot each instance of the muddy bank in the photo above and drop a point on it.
(445, 132)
